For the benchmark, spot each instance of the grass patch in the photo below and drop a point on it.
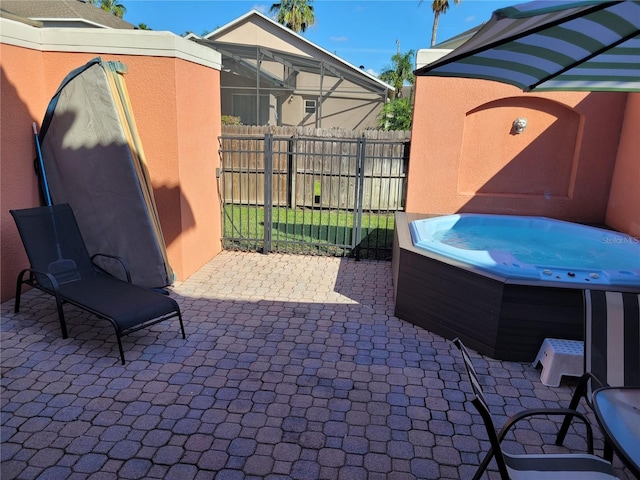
(308, 230)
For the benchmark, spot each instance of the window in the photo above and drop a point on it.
(309, 106)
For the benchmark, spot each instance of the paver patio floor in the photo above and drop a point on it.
(294, 367)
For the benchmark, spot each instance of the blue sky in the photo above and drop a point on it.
(362, 32)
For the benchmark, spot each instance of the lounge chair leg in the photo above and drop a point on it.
(181, 325)
(63, 324)
(120, 348)
(16, 307)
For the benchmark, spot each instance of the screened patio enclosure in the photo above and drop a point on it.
(265, 86)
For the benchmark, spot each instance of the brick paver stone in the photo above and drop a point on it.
(294, 367)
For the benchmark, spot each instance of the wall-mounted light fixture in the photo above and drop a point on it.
(519, 124)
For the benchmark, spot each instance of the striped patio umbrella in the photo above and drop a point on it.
(552, 45)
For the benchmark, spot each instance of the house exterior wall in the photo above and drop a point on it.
(251, 33)
(345, 113)
(357, 109)
(292, 109)
(465, 157)
(175, 96)
(623, 209)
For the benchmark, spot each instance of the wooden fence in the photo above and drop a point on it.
(315, 167)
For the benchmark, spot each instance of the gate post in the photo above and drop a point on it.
(357, 217)
(292, 171)
(268, 193)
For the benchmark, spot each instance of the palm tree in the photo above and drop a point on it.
(397, 113)
(438, 7)
(294, 14)
(400, 72)
(110, 6)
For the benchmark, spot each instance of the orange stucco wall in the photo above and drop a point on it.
(623, 212)
(23, 101)
(176, 104)
(465, 156)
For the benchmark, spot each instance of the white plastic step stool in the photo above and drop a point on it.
(558, 358)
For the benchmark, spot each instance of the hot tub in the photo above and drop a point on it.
(533, 248)
(505, 290)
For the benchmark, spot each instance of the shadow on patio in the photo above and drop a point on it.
(294, 367)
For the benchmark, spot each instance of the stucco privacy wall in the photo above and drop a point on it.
(174, 87)
(623, 212)
(466, 158)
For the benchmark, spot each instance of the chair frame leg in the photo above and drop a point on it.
(32, 282)
(121, 333)
(607, 454)
(181, 324)
(484, 464)
(581, 391)
(564, 429)
(16, 307)
(119, 338)
(63, 323)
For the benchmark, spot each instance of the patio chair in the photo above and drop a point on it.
(529, 466)
(60, 265)
(611, 348)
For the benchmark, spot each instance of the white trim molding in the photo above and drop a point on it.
(107, 41)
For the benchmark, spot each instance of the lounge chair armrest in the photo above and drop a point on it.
(564, 412)
(120, 260)
(33, 281)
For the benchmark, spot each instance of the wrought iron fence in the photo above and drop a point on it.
(312, 195)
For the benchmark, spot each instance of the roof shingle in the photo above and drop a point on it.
(79, 11)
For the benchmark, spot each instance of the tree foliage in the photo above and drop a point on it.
(439, 7)
(396, 115)
(400, 71)
(231, 120)
(297, 15)
(110, 6)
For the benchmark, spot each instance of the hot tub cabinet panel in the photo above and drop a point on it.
(529, 314)
(493, 317)
(448, 301)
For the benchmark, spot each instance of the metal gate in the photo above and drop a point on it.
(311, 195)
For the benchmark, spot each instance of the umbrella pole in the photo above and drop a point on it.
(45, 184)
(63, 268)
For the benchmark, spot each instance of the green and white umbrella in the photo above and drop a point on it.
(551, 45)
